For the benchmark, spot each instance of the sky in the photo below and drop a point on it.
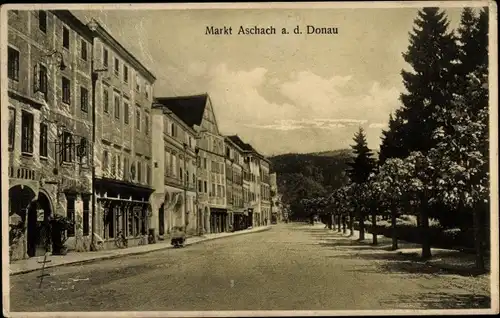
(281, 93)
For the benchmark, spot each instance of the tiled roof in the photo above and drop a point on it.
(240, 143)
(189, 109)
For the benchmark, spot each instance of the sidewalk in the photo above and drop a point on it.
(31, 264)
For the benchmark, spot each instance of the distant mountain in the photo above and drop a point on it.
(310, 175)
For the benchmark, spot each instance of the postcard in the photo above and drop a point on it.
(249, 159)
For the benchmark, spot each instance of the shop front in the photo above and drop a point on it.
(124, 214)
(239, 221)
(218, 220)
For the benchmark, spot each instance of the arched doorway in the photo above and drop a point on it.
(38, 226)
(20, 199)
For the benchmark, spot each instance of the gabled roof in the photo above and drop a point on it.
(189, 109)
(240, 143)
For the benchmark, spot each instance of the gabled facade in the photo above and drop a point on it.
(196, 111)
(234, 185)
(50, 128)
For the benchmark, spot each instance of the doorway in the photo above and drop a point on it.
(38, 229)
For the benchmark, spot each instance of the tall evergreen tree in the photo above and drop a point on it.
(392, 146)
(431, 53)
(359, 171)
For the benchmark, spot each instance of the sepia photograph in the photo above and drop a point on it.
(249, 159)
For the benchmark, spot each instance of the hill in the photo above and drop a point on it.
(309, 175)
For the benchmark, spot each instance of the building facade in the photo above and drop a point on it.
(265, 191)
(276, 205)
(234, 186)
(196, 111)
(122, 153)
(50, 128)
(175, 174)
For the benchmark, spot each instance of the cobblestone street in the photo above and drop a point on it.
(290, 267)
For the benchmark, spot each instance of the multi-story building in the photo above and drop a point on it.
(122, 152)
(196, 111)
(174, 179)
(234, 185)
(265, 190)
(276, 206)
(50, 128)
(255, 191)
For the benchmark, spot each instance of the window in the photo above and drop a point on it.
(205, 163)
(42, 21)
(70, 214)
(117, 106)
(137, 84)
(180, 173)
(27, 133)
(43, 140)
(205, 186)
(118, 165)
(83, 53)
(148, 174)
(84, 99)
(146, 124)
(125, 73)
(139, 174)
(200, 186)
(13, 64)
(41, 80)
(113, 165)
(105, 97)
(125, 112)
(126, 168)
(12, 127)
(213, 190)
(67, 150)
(146, 90)
(66, 38)
(105, 161)
(86, 212)
(66, 91)
(117, 67)
(105, 57)
(138, 119)
(172, 129)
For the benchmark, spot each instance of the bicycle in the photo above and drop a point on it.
(121, 241)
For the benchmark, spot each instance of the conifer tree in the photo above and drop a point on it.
(391, 146)
(359, 171)
(431, 53)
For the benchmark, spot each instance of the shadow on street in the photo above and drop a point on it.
(435, 300)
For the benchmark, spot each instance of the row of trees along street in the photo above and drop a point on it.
(433, 164)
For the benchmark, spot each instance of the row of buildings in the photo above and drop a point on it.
(89, 140)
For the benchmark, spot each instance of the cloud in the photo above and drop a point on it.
(303, 102)
(377, 125)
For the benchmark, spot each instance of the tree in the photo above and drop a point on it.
(392, 145)
(359, 170)
(462, 150)
(431, 54)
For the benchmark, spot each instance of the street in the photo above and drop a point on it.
(290, 267)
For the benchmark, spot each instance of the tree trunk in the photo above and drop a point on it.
(339, 223)
(424, 221)
(351, 225)
(344, 224)
(332, 221)
(361, 226)
(478, 244)
(393, 228)
(374, 225)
